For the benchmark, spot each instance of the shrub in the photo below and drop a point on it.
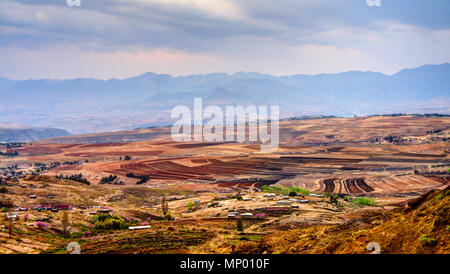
(41, 225)
(87, 233)
(169, 217)
(292, 194)
(3, 190)
(190, 205)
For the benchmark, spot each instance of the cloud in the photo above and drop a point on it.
(264, 35)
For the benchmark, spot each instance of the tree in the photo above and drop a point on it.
(65, 222)
(10, 226)
(164, 205)
(239, 225)
(334, 199)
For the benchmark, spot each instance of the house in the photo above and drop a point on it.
(42, 207)
(316, 195)
(104, 210)
(294, 206)
(247, 214)
(303, 201)
(12, 215)
(139, 227)
(284, 202)
(32, 196)
(276, 208)
(63, 207)
(247, 199)
(233, 215)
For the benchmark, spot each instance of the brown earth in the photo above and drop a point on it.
(421, 227)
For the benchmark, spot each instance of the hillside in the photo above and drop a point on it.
(78, 105)
(17, 133)
(422, 226)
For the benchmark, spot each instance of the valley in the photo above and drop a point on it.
(222, 197)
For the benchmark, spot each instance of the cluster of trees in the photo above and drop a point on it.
(431, 115)
(107, 221)
(13, 145)
(108, 179)
(142, 178)
(10, 153)
(76, 177)
(392, 139)
(111, 180)
(307, 117)
(72, 163)
(434, 131)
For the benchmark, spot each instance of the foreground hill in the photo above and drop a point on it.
(422, 226)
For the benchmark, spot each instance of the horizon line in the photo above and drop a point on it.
(226, 73)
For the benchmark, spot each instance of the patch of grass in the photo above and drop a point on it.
(440, 196)
(285, 190)
(427, 240)
(364, 201)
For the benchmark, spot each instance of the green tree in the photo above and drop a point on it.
(164, 205)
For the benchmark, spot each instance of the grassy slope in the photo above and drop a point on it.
(397, 231)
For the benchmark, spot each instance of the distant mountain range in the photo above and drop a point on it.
(19, 133)
(89, 105)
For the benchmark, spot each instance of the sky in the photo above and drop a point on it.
(124, 38)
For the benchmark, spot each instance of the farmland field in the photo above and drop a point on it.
(339, 162)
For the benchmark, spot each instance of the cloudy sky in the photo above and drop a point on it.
(122, 38)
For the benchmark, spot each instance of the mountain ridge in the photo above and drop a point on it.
(84, 105)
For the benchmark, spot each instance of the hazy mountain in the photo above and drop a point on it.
(89, 105)
(20, 133)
